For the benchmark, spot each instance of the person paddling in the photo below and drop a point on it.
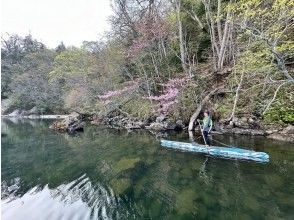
(206, 126)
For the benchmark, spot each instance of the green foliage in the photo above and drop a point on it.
(280, 113)
(144, 47)
(187, 103)
(223, 108)
(13, 51)
(139, 108)
(73, 62)
(282, 110)
(256, 58)
(31, 88)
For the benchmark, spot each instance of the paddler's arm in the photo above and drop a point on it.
(210, 127)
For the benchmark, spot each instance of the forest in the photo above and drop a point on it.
(164, 58)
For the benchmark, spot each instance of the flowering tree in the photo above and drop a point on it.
(110, 94)
(169, 96)
(151, 30)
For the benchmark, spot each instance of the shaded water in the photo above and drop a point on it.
(109, 174)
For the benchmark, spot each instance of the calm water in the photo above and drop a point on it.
(110, 174)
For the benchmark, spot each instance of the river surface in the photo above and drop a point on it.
(111, 174)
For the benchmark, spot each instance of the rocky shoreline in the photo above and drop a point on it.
(243, 126)
(240, 127)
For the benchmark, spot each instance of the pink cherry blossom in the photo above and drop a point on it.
(115, 93)
(169, 95)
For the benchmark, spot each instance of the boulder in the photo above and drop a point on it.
(231, 124)
(179, 125)
(167, 125)
(170, 126)
(70, 124)
(33, 111)
(135, 125)
(5, 105)
(24, 113)
(282, 137)
(243, 119)
(241, 123)
(15, 113)
(160, 119)
(287, 134)
(219, 127)
(288, 130)
(251, 120)
(157, 126)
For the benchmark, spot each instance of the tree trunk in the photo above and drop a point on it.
(281, 65)
(236, 98)
(218, 21)
(198, 110)
(223, 43)
(181, 38)
(219, 38)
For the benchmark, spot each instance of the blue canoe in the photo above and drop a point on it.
(227, 152)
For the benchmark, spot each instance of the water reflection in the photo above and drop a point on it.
(112, 174)
(79, 199)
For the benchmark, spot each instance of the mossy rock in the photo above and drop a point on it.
(125, 164)
(274, 179)
(120, 186)
(186, 172)
(196, 165)
(138, 188)
(202, 211)
(251, 203)
(184, 201)
(155, 208)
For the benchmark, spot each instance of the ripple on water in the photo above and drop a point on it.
(79, 199)
(129, 176)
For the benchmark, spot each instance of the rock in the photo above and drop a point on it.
(70, 124)
(288, 130)
(74, 115)
(179, 125)
(231, 124)
(33, 111)
(243, 119)
(15, 113)
(5, 105)
(24, 113)
(251, 120)
(120, 186)
(240, 131)
(157, 126)
(170, 125)
(287, 134)
(282, 137)
(160, 119)
(150, 119)
(135, 125)
(268, 132)
(257, 132)
(241, 123)
(248, 131)
(219, 127)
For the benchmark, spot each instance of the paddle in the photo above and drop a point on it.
(202, 132)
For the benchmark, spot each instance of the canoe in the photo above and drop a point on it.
(226, 152)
